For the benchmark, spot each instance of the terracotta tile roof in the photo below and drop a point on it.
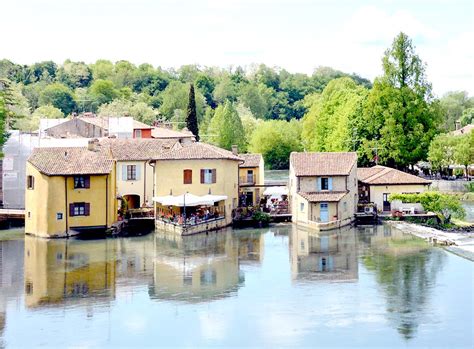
(251, 160)
(70, 161)
(162, 132)
(97, 121)
(141, 125)
(197, 151)
(136, 148)
(323, 164)
(386, 175)
(323, 196)
(464, 130)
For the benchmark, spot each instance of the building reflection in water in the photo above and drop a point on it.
(405, 267)
(323, 255)
(11, 265)
(66, 270)
(250, 246)
(196, 268)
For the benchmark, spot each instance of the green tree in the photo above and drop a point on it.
(74, 74)
(400, 115)
(59, 96)
(275, 140)
(464, 150)
(227, 127)
(441, 152)
(453, 105)
(334, 116)
(175, 97)
(102, 91)
(120, 107)
(4, 112)
(32, 123)
(191, 114)
(102, 69)
(467, 117)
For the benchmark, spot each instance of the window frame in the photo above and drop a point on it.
(81, 182)
(323, 179)
(131, 172)
(79, 209)
(208, 176)
(30, 182)
(137, 133)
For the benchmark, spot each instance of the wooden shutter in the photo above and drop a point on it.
(187, 176)
(87, 209)
(138, 172)
(87, 181)
(124, 172)
(330, 183)
(214, 175)
(319, 183)
(202, 176)
(71, 210)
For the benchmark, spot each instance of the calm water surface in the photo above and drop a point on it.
(282, 286)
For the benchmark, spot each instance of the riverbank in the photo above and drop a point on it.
(460, 243)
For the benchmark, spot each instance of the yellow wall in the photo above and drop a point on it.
(49, 198)
(142, 187)
(60, 269)
(259, 177)
(169, 176)
(377, 191)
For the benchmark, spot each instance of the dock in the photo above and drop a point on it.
(11, 218)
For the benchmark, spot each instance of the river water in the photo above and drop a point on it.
(280, 286)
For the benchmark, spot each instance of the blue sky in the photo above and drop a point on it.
(298, 35)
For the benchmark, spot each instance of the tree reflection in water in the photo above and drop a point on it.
(406, 269)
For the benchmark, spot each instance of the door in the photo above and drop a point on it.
(249, 198)
(386, 203)
(323, 212)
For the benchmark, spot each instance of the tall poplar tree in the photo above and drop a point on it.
(191, 114)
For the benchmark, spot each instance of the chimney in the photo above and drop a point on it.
(457, 125)
(235, 150)
(91, 144)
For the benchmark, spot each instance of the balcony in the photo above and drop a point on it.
(247, 180)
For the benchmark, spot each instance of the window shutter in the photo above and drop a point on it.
(71, 210)
(202, 176)
(87, 209)
(32, 182)
(124, 172)
(319, 183)
(187, 176)
(214, 175)
(137, 172)
(330, 183)
(87, 181)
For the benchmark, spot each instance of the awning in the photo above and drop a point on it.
(276, 191)
(188, 200)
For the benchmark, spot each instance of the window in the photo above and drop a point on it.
(208, 176)
(79, 209)
(82, 182)
(324, 183)
(188, 176)
(131, 172)
(59, 216)
(344, 206)
(30, 182)
(302, 206)
(138, 134)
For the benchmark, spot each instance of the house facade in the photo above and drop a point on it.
(323, 189)
(251, 179)
(378, 182)
(69, 190)
(191, 179)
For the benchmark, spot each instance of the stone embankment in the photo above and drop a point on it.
(460, 243)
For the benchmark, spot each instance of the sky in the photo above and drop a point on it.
(297, 35)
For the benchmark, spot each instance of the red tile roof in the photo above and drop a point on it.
(197, 151)
(136, 148)
(323, 164)
(386, 175)
(70, 161)
(251, 160)
(162, 132)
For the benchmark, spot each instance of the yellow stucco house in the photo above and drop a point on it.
(251, 179)
(196, 188)
(323, 189)
(69, 190)
(378, 182)
(133, 167)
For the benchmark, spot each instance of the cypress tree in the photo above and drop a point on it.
(191, 115)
